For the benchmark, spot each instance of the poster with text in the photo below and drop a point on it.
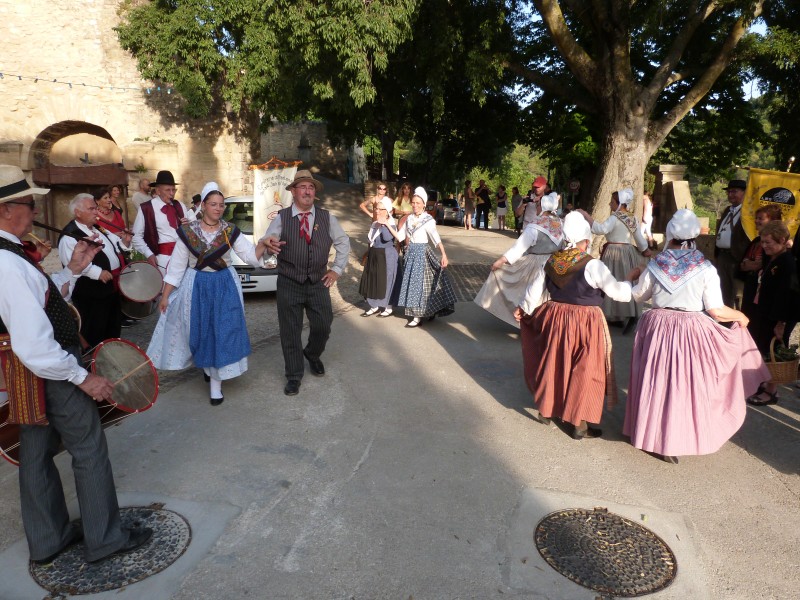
(270, 195)
(771, 187)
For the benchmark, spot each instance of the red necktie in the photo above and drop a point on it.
(305, 230)
(172, 217)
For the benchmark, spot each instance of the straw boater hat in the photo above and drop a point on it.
(163, 178)
(305, 175)
(14, 185)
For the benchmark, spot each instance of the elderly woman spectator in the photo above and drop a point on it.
(380, 270)
(776, 301)
(517, 277)
(203, 323)
(753, 260)
(623, 251)
(689, 375)
(570, 370)
(426, 290)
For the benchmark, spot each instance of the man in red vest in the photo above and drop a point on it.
(156, 224)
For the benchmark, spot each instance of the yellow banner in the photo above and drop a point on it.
(771, 187)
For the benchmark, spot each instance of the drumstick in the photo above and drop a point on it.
(147, 362)
(36, 239)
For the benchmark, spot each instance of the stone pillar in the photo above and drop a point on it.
(671, 193)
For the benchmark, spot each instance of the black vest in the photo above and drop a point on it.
(85, 286)
(299, 260)
(65, 329)
(576, 291)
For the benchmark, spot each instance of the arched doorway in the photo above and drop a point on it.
(67, 180)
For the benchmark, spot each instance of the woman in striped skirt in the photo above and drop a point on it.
(568, 359)
(426, 290)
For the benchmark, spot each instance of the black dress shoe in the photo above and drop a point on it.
(138, 537)
(292, 387)
(216, 401)
(317, 368)
(75, 536)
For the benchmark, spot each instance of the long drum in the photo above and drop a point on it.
(139, 284)
(117, 360)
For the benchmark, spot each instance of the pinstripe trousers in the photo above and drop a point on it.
(75, 421)
(293, 298)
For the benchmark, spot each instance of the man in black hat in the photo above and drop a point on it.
(731, 243)
(302, 236)
(155, 228)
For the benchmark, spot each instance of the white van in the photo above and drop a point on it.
(239, 211)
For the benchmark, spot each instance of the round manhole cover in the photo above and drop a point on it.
(71, 575)
(605, 552)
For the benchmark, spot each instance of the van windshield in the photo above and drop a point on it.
(239, 214)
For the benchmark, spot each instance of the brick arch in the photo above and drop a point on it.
(43, 144)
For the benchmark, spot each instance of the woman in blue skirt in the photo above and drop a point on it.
(203, 323)
(426, 290)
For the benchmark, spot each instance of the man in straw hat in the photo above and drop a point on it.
(155, 228)
(302, 235)
(51, 396)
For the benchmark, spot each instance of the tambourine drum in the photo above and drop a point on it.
(132, 372)
(120, 361)
(76, 316)
(139, 284)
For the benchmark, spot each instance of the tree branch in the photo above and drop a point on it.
(661, 128)
(661, 78)
(578, 61)
(553, 86)
(580, 10)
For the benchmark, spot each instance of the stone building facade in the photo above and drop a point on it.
(64, 74)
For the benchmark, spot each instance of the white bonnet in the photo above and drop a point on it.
(211, 186)
(684, 225)
(625, 196)
(387, 204)
(420, 191)
(576, 228)
(549, 202)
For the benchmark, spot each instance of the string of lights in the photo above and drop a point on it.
(152, 89)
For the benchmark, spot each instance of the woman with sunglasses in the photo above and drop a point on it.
(369, 206)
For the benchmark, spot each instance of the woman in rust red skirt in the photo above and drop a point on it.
(567, 353)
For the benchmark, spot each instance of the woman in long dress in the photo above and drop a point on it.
(571, 371)
(689, 375)
(203, 322)
(517, 277)
(426, 290)
(625, 246)
(380, 270)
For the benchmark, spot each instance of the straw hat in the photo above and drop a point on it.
(14, 185)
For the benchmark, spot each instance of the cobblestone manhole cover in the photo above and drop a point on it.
(605, 552)
(71, 575)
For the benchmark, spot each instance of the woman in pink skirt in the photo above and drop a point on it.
(689, 375)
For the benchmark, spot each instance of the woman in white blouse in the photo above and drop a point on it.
(426, 290)
(203, 323)
(625, 246)
(689, 375)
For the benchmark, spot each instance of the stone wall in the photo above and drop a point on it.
(306, 141)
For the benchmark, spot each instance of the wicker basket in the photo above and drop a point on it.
(782, 372)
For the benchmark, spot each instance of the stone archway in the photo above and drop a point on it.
(66, 181)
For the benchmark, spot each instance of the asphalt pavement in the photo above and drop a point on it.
(413, 468)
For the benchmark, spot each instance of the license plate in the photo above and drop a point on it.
(244, 277)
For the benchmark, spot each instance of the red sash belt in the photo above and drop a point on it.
(167, 248)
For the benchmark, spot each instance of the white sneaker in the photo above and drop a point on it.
(413, 322)
(370, 312)
(386, 312)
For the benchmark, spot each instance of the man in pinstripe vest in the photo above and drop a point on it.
(302, 236)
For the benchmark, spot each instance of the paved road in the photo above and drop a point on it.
(413, 470)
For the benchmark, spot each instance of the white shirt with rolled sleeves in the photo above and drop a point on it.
(599, 277)
(22, 301)
(341, 243)
(67, 245)
(166, 234)
(617, 233)
(183, 259)
(421, 234)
